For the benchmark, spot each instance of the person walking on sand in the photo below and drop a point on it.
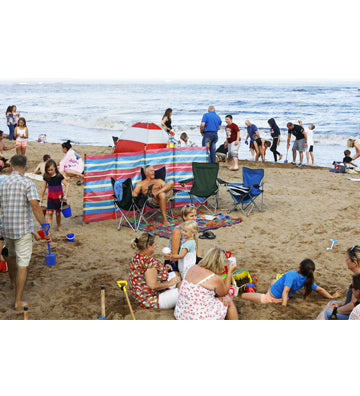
(54, 181)
(232, 142)
(210, 124)
(300, 143)
(310, 143)
(275, 134)
(19, 201)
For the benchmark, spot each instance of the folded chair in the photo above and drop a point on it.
(126, 205)
(245, 194)
(204, 185)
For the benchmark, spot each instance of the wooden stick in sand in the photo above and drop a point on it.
(26, 313)
(102, 293)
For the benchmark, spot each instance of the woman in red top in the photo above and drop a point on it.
(149, 281)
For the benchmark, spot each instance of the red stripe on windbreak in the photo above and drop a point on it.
(98, 216)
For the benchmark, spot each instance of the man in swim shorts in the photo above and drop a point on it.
(300, 143)
(160, 194)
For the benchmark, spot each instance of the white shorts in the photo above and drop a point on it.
(168, 298)
(21, 248)
(233, 150)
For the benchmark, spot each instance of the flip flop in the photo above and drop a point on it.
(207, 235)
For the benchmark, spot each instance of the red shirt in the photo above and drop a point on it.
(231, 132)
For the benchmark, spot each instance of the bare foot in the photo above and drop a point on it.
(20, 306)
(12, 285)
(165, 222)
(59, 228)
(280, 157)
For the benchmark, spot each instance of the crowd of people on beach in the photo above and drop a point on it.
(196, 286)
(19, 199)
(211, 123)
(199, 287)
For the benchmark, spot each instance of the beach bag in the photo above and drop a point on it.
(339, 167)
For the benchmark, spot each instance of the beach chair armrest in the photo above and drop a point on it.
(221, 181)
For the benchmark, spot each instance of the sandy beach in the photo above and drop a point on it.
(303, 209)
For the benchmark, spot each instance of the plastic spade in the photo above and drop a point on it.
(50, 258)
(333, 241)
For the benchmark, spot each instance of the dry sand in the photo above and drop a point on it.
(303, 209)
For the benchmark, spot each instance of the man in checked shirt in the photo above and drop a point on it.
(19, 201)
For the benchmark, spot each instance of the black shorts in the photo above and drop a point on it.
(311, 149)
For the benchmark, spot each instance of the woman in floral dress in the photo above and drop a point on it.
(203, 293)
(149, 281)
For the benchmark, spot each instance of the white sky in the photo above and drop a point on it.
(182, 39)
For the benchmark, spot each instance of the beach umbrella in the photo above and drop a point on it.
(137, 136)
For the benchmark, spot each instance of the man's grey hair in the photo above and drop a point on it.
(211, 107)
(18, 161)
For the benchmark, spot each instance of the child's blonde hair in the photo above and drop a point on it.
(192, 226)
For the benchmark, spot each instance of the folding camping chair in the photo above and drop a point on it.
(159, 174)
(126, 205)
(204, 185)
(245, 194)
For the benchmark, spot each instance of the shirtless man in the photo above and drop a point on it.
(161, 191)
(4, 148)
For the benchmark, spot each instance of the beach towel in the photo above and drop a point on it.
(156, 227)
(71, 161)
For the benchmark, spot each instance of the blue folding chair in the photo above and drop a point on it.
(246, 194)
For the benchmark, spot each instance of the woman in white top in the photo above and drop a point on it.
(21, 135)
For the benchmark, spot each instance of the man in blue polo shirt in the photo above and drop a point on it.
(210, 124)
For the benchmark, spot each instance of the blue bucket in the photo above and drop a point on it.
(66, 211)
(70, 237)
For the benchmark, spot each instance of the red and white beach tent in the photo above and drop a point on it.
(135, 137)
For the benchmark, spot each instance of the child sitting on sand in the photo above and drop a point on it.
(347, 160)
(54, 180)
(40, 168)
(187, 256)
(291, 281)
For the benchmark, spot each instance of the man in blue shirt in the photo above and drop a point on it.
(210, 124)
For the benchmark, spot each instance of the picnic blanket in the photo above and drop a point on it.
(205, 223)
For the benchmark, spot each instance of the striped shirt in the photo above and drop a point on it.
(16, 192)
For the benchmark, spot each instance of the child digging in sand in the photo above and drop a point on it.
(291, 281)
(187, 255)
(54, 180)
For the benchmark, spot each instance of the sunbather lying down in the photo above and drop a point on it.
(161, 191)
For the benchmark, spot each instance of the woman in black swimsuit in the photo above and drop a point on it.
(166, 120)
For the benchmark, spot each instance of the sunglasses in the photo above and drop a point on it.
(354, 247)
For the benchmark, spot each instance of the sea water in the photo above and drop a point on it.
(92, 112)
